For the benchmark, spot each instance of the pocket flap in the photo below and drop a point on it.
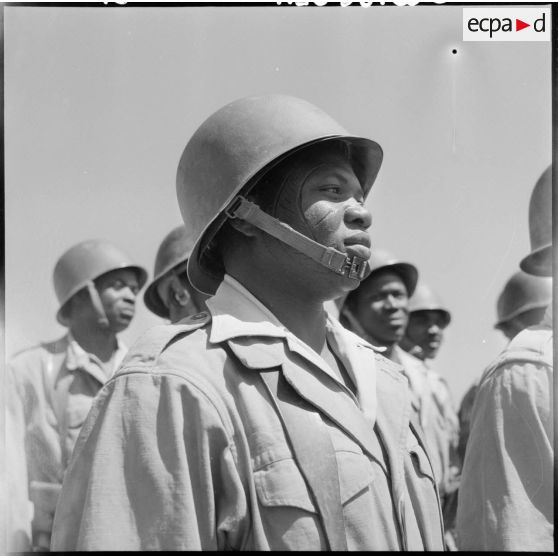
(356, 472)
(280, 483)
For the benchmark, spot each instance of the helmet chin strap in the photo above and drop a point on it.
(352, 267)
(102, 319)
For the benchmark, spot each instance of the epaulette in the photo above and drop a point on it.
(153, 342)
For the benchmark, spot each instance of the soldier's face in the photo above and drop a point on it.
(380, 306)
(118, 290)
(323, 199)
(426, 329)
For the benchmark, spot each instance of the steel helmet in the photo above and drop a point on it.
(382, 260)
(424, 298)
(174, 250)
(521, 293)
(235, 146)
(539, 261)
(79, 266)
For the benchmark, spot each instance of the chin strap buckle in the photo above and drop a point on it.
(355, 268)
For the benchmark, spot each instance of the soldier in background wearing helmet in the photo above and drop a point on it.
(428, 318)
(96, 285)
(506, 500)
(262, 424)
(170, 295)
(378, 311)
(521, 304)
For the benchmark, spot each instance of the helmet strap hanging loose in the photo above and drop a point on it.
(352, 267)
(102, 319)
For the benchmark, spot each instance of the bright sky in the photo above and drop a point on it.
(99, 103)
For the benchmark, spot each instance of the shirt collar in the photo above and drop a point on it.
(236, 312)
(78, 358)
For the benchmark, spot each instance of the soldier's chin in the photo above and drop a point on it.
(429, 352)
(121, 323)
(349, 284)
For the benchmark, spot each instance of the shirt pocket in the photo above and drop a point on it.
(289, 514)
(280, 483)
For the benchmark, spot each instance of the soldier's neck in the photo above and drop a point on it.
(301, 312)
(95, 340)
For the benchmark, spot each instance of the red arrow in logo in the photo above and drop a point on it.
(519, 25)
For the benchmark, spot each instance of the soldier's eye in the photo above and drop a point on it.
(333, 188)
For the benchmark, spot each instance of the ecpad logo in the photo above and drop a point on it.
(506, 24)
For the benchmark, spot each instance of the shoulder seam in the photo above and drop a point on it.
(145, 370)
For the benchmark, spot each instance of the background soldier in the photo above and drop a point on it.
(428, 318)
(96, 285)
(521, 304)
(378, 310)
(170, 295)
(506, 499)
(263, 424)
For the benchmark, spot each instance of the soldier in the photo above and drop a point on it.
(506, 498)
(262, 424)
(170, 295)
(378, 310)
(428, 318)
(521, 304)
(96, 285)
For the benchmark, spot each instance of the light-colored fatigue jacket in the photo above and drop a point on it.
(465, 414)
(432, 401)
(56, 383)
(506, 495)
(15, 508)
(184, 448)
